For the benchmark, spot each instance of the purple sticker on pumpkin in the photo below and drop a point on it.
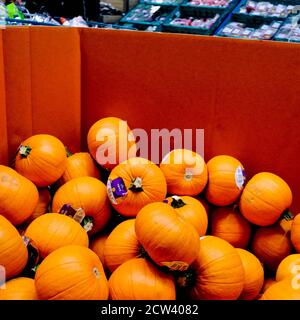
(118, 188)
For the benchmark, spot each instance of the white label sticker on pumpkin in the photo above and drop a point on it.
(176, 265)
(240, 177)
(116, 190)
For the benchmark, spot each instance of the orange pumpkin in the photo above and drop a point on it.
(42, 159)
(71, 273)
(53, 230)
(185, 172)
(267, 284)
(254, 275)
(122, 245)
(264, 199)
(18, 196)
(13, 252)
(271, 245)
(138, 279)
(216, 274)
(295, 232)
(88, 194)
(227, 223)
(168, 240)
(19, 289)
(282, 290)
(110, 141)
(79, 165)
(226, 180)
(97, 245)
(135, 183)
(288, 267)
(190, 210)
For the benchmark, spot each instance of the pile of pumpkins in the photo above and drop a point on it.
(183, 229)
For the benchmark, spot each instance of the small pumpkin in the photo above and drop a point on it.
(97, 245)
(282, 290)
(71, 273)
(42, 159)
(138, 279)
(88, 194)
(227, 223)
(19, 289)
(122, 245)
(295, 232)
(135, 183)
(267, 284)
(110, 142)
(53, 230)
(265, 197)
(168, 240)
(185, 172)
(18, 196)
(288, 267)
(226, 178)
(254, 275)
(13, 251)
(190, 210)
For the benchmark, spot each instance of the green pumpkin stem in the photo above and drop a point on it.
(24, 151)
(177, 202)
(69, 153)
(185, 279)
(288, 215)
(136, 185)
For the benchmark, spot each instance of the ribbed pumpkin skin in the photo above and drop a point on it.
(71, 273)
(222, 188)
(104, 135)
(154, 186)
(264, 199)
(79, 165)
(18, 196)
(227, 223)
(138, 279)
(295, 233)
(185, 172)
(19, 289)
(13, 252)
(97, 245)
(271, 245)
(87, 193)
(288, 267)
(192, 211)
(165, 236)
(254, 275)
(281, 290)
(53, 230)
(46, 161)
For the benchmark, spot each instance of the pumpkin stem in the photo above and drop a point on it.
(24, 151)
(87, 223)
(136, 185)
(177, 202)
(69, 153)
(288, 215)
(185, 279)
(143, 253)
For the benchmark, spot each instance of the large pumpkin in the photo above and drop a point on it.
(88, 194)
(288, 267)
(71, 273)
(42, 159)
(254, 275)
(138, 279)
(185, 172)
(53, 230)
(13, 251)
(295, 232)
(18, 196)
(19, 289)
(216, 274)
(110, 141)
(135, 183)
(264, 199)
(190, 210)
(227, 223)
(226, 180)
(282, 290)
(97, 245)
(122, 245)
(271, 245)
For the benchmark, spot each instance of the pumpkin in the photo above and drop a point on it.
(18, 196)
(13, 251)
(226, 178)
(86, 193)
(71, 273)
(282, 290)
(267, 284)
(216, 274)
(122, 245)
(227, 223)
(168, 240)
(295, 232)
(190, 210)
(265, 197)
(138, 279)
(271, 245)
(254, 275)
(53, 230)
(110, 141)
(18, 289)
(97, 245)
(79, 164)
(288, 267)
(42, 159)
(135, 183)
(185, 172)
